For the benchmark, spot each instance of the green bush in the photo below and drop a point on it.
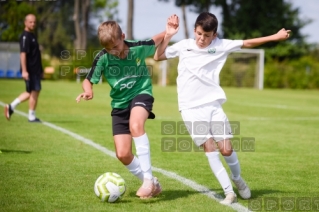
(238, 72)
(299, 74)
(172, 71)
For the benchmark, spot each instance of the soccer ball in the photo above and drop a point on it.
(109, 187)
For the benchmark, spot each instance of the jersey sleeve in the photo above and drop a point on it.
(174, 50)
(97, 69)
(232, 45)
(149, 47)
(24, 43)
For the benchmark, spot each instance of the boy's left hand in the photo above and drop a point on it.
(283, 34)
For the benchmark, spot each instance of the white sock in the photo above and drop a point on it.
(142, 146)
(31, 114)
(234, 165)
(15, 103)
(219, 171)
(135, 168)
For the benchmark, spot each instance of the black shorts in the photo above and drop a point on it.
(33, 84)
(121, 117)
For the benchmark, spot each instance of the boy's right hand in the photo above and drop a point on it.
(172, 25)
(25, 75)
(85, 96)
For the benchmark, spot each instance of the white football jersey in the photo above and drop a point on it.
(198, 70)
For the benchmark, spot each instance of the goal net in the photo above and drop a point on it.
(244, 68)
(9, 60)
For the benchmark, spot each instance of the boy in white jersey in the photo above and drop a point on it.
(200, 96)
(122, 63)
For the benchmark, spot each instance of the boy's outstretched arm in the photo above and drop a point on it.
(158, 38)
(171, 29)
(282, 34)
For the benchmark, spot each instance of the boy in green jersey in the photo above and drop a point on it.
(122, 63)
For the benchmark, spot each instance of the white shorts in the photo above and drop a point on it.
(207, 121)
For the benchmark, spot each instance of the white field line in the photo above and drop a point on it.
(269, 106)
(278, 106)
(283, 118)
(192, 184)
(305, 118)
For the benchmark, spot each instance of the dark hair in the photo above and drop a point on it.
(207, 21)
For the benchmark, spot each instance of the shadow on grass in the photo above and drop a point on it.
(167, 195)
(119, 201)
(262, 193)
(15, 151)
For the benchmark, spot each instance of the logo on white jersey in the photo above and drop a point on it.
(211, 50)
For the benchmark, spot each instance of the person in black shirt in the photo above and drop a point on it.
(31, 70)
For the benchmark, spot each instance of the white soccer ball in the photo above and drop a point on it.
(109, 187)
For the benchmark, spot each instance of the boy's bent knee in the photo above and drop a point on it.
(226, 152)
(126, 159)
(137, 129)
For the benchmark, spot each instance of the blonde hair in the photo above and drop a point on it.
(109, 32)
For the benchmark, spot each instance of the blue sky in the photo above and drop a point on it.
(149, 21)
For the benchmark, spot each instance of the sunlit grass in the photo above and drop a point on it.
(42, 169)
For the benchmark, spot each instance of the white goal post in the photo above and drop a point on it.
(260, 65)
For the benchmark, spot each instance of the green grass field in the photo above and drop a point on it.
(43, 169)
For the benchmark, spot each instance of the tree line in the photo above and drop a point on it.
(71, 24)
(60, 24)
